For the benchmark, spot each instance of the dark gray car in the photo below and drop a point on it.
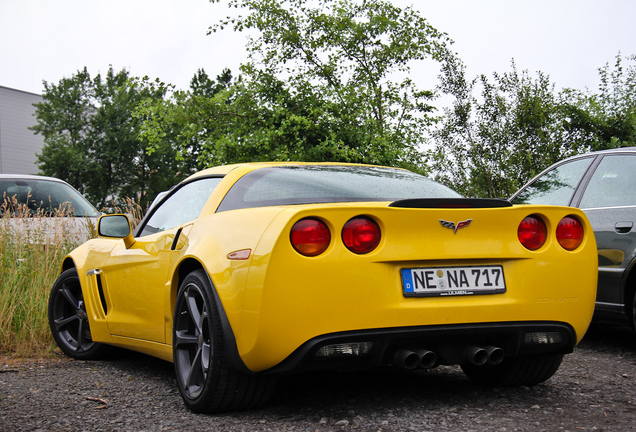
(603, 185)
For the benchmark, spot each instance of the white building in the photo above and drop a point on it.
(18, 144)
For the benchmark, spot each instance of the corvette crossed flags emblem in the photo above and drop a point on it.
(451, 225)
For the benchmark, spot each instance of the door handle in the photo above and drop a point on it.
(623, 227)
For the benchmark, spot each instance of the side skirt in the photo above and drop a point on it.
(155, 349)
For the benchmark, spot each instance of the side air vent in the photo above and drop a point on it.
(100, 289)
(451, 203)
(101, 294)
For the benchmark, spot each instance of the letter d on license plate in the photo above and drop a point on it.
(453, 281)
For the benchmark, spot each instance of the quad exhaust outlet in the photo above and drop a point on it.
(425, 359)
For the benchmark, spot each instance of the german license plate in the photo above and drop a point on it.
(453, 281)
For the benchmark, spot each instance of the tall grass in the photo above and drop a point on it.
(32, 247)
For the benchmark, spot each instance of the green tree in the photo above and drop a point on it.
(319, 85)
(204, 117)
(489, 146)
(64, 121)
(93, 142)
(606, 119)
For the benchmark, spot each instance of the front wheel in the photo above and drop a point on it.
(68, 319)
(205, 379)
(515, 371)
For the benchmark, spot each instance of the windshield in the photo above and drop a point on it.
(309, 184)
(26, 197)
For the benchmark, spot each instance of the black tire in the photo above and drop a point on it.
(515, 371)
(205, 379)
(634, 312)
(68, 319)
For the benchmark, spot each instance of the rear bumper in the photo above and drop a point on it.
(448, 342)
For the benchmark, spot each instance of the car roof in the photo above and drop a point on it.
(251, 166)
(612, 150)
(589, 154)
(29, 177)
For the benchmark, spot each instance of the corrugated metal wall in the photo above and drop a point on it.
(18, 144)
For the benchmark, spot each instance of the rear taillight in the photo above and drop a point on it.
(361, 235)
(310, 237)
(569, 233)
(532, 232)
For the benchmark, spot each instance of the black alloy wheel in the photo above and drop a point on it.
(68, 319)
(205, 379)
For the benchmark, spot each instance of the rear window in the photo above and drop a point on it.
(312, 184)
(49, 198)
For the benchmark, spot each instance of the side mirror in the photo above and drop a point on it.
(116, 226)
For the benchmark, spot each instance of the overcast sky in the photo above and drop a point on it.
(51, 39)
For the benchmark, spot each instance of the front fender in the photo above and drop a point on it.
(98, 250)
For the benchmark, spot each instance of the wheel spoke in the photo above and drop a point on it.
(196, 376)
(193, 310)
(68, 295)
(185, 339)
(205, 343)
(81, 339)
(205, 357)
(64, 321)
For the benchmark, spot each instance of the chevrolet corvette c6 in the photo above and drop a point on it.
(245, 272)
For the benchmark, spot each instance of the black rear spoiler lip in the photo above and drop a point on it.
(427, 203)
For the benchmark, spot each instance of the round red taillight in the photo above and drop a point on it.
(361, 235)
(310, 237)
(532, 232)
(569, 233)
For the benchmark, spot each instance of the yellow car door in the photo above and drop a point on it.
(135, 281)
(137, 277)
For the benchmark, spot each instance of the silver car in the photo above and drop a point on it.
(42, 209)
(603, 185)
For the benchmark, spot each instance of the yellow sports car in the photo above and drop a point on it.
(244, 272)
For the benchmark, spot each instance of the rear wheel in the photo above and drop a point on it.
(68, 319)
(205, 379)
(515, 371)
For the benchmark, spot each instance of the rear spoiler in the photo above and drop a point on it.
(451, 203)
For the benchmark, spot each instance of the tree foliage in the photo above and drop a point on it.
(328, 80)
(92, 141)
(606, 119)
(64, 122)
(201, 123)
(319, 86)
(489, 146)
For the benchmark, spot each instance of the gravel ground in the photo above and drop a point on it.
(594, 390)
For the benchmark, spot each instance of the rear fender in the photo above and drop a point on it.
(229, 340)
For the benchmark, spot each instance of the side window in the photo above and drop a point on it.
(182, 206)
(613, 183)
(555, 187)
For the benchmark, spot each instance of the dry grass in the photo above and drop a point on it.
(32, 247)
